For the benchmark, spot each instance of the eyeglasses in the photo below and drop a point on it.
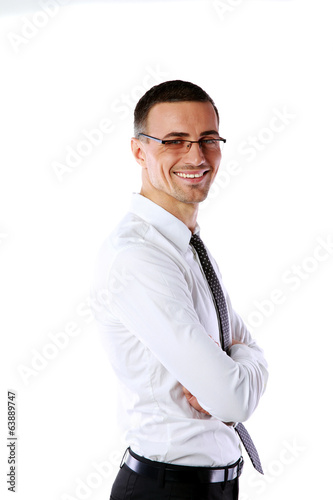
(184, 146)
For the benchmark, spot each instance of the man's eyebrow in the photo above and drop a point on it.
(176, 134)
(209, 132)
(185, 134)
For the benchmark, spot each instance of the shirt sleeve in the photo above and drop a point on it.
(149, 293)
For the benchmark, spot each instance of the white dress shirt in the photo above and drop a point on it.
(159, 325)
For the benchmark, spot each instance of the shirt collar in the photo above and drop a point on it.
(167, 224)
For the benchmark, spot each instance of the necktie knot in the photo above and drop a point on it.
(197, 243)
(196, 240)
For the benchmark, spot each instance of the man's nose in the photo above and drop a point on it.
(195, 155)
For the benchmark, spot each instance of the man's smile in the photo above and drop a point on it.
(193, 174)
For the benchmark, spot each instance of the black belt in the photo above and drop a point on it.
(181, 473)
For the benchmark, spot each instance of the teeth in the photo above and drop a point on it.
(189, 176)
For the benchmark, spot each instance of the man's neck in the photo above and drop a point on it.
(186, 212)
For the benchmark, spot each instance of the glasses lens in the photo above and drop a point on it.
(177, 145)
(211, 144)
(183, 146)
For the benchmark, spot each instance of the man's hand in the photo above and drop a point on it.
(234, 342)
(193, 401)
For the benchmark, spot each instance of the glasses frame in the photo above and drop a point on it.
(165, 141)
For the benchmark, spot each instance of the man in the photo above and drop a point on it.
(188, 368)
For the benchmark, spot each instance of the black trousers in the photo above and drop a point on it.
(129, 485)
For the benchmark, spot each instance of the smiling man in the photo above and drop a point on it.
(172, 179)
(189, 372)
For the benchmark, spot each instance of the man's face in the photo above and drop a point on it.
(165, 171)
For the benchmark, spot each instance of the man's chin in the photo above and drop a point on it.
(193, 198)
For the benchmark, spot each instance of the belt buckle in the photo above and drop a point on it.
(125, 455)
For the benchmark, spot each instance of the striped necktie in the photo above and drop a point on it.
(223, 317)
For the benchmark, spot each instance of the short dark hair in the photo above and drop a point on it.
(171, 91)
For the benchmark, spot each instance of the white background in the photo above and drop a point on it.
(268, 220)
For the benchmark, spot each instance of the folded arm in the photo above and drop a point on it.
(154, 302)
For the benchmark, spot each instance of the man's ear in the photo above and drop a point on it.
(138, 151)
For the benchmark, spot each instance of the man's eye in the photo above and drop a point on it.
(208, 141)
(175, 142)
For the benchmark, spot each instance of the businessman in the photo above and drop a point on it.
(189, 372)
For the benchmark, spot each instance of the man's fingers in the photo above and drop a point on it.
(193, 401)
